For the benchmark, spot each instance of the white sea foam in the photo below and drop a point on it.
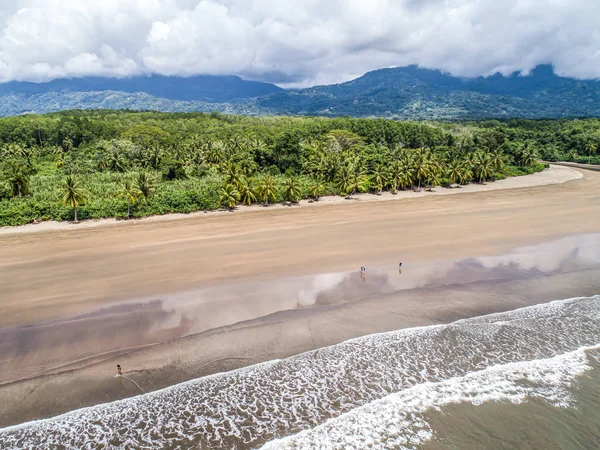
(398, 420)
(248, 407)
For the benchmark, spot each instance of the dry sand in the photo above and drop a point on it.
(235, 259)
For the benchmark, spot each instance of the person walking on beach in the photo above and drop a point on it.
(119, 371)
(399, 265)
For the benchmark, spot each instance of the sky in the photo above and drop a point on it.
(295, 43)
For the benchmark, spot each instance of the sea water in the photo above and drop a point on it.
(459, 385)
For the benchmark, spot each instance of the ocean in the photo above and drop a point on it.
(528, 378)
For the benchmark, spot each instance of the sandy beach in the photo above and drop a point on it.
(64, 272)
(178, 298)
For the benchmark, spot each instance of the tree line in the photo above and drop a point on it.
(97, 164)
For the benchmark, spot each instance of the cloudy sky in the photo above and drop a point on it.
(295, 42)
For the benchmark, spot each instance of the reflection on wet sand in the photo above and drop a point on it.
(46, 348)
(162, 342)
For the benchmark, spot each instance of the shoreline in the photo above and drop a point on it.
(291, 332)
(556, 174)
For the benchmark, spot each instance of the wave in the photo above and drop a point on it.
(248, 407)
(398, 420)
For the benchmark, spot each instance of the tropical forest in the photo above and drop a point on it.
(79, 165)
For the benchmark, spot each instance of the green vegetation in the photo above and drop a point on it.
(87, 165)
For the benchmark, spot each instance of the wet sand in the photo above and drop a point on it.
(378, 304)
(251, 287)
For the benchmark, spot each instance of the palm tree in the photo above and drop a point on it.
(379, 177)
(591, 148)
(317, 187)
(257, 145)
(131, 193)
(398, 175)
(330, 166)
(344, 178)
(351, 180)
(229, 196)
(247, 195)
(434, 179)
(267, 189)
(467, 172)
(17, 150)
(155, 157)
(497, 159)
(214, 152)
(233, 174)
(395, 175)
(435, 170)
(17, 177)
(143, 185)
(235, 144)
(73, 194)
(102, 161)
(527, 155)
(314, 164)
(470, 161)
(421, 165)
(292, 191)
(116, 160)
(484, 169)
(455, 170)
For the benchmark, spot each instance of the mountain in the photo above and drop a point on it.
(141, 92)
(403, 93)
(415, 93)
(205, 88)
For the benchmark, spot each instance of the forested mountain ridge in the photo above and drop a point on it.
(202, 93)
(415, 93)
(404, 93)
(205, 88)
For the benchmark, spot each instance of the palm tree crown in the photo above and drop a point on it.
(17, 177)
(292, 191)
(267, 189)
(247, 195)
(143, 184)
(229, 196)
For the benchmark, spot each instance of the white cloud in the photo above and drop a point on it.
(295, 42)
